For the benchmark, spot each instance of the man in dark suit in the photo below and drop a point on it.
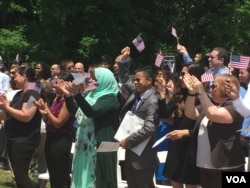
(139, 170)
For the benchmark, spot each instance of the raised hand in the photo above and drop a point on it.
(192, 83)
(231, 89)
(181, 49)
(125, 52)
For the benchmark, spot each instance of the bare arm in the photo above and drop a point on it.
(24, 114)
(57, 122)
(214, 113)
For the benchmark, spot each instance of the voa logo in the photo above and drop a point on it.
(236, 179)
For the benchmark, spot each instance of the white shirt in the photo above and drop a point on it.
(243, 105)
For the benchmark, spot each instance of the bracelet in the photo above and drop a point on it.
(45, 112)
(192, 95)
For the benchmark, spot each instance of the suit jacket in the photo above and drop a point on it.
(148, 111)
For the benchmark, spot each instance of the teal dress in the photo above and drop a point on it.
(84, 157)
(99, 109)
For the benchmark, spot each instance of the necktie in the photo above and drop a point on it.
(137, 100)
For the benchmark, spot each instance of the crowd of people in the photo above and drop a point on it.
(203, 120)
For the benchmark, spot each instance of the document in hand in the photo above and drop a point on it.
(106, 146)
(130, 124)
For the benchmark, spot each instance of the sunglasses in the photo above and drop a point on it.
(12, 72)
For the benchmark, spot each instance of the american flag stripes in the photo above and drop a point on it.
(239, 62)
(207, 77)
(91, 86)
(139, 43)
(158, 59)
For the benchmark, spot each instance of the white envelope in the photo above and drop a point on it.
(130, 124)
(106, 146)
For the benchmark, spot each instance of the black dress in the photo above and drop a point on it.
(178, 167)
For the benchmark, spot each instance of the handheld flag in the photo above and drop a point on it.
(139, 43)
(239, 62)
(207, 77)
(158, 59)
(174, 34)
(17, 58)
(91, 86)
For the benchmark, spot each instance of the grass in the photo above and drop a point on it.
(6, 180)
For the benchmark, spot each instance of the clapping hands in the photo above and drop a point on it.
(41, 105)
(192, 83)
(69, 88)
(3, 101)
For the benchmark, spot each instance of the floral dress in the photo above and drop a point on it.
(84, 158)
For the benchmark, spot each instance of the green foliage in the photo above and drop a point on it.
(85, 30)
(12, 42)
(87, 47)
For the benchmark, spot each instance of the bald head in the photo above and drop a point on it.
(79, 67)
(55, 70)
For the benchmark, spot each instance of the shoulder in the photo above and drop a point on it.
(108, 98)
(31, 92)
(4, 76)
(152, 95)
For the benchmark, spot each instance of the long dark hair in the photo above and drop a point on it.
(66, 76)
(28, 71)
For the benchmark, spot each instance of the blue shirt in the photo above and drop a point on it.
(187, 59)
(246, 121)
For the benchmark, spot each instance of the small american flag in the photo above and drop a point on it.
(158, 59)
(91, 86)
(174, 32)
(139, 43)
(239, 62)
(207, 77)
(17, 58)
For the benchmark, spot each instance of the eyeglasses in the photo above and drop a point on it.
(12, 72)
(213, 86)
